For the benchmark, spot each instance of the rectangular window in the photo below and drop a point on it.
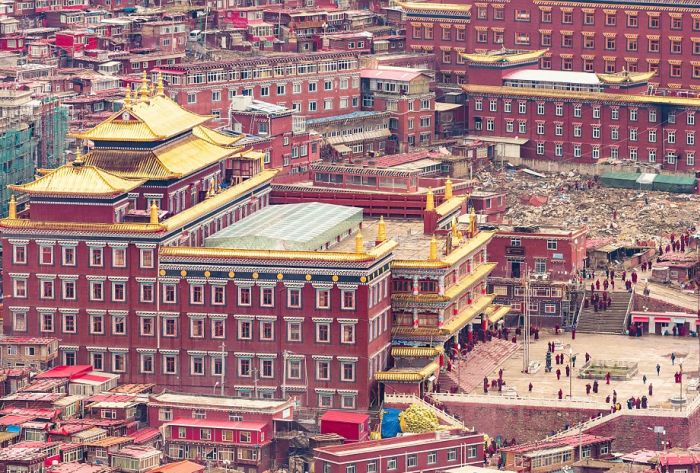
(267, 330)
(294, 331)
(323, 332)
(147, 258)
(323, 298)
(347, 370)
(411, 461)
(68, 255)
(294, 297)
(245, 330)
(267, 297)
(119, 257)
(347, 333)
(244, 296)
(118, 292)
(96, 259)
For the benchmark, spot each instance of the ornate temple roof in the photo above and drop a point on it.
(425, 6)
(504, 56)
(154, 119)
(626, 77)
(170, 161)
(77, 178)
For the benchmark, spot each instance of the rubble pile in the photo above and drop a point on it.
(572, 200)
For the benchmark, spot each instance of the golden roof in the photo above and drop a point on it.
(572, 95)
(417, 352)
(407, 375)
(214, 137)
(469, 246)
(503, 56)
(173, 223)
(450, 326)
(625, 76)
(154, 119)
(497, 312)
(478, 274)
(450, 205)
(326, 256)
(172, 161)
(447, 7)
(78, 179)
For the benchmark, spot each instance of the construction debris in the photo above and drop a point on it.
(572, 200)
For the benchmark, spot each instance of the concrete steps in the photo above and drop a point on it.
(611, 320)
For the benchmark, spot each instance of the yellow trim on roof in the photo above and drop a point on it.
(448, 7)
(478, 274)
(450, 205)
(28, 224)
(408, 376)
(469, 246)
(218, 200)
(214, 137)
(498, 56)
(452, 325)
(373, 254)
(496, 313)
(417, 352)
(155, 119)
(568, 94)
(623, 77)
(78, 179)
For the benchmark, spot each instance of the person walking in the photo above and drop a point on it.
(644, 379)
(673, 358)
(658, 369)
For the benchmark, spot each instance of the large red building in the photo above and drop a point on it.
(311, 84)
(605, 37)
(577, 117)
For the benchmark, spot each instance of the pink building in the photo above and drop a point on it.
(429, 452)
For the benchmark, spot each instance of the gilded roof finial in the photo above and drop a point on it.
(161, 90)
(127, 97)
(144, 86)
(455, 231)
(433, 249)
(154, 214)
(359, 242)
(381, 230)
(448, 189)
(153, 89)
(472, 223)
(430, 200)
(12, 211)
(78, 161)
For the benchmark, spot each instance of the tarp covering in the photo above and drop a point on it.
(678, 184)
(624, 180)
(390, 422)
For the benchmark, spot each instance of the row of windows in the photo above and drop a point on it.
(675, 67)
(246, 367)
(411, 461)
(281, 89)
(634, 154)
(97, 292)
(69, 257)
(99, 324)
(609, 44)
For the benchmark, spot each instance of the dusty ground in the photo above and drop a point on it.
(646, 351)
(617, 214)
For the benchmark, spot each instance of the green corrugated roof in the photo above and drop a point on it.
(673, 179)
(623, 176)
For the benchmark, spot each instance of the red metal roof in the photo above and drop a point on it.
(184, 466)
(64, 371)
(92, 377)
(679, 458)
(30, 412)
(27, 340)
(110, 397)
(573, 440)
(344, 416)
(144, 435)
(218, 424)
(398, 159)
(390, 74)
(15, 420)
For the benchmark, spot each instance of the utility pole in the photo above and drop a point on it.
(526, 322)
(284, 375)
(223, 366)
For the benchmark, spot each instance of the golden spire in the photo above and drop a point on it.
(429, 200)
(12, 211)
(160, 91)
(381, 230)
(153, 89)
(448, 189)
(154, 214)
(472, 223)
(359, 242)
(78, 161)
(127, 97)
(433, 249)
(455, 231)
(144, 86)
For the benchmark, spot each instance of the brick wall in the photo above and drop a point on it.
(530, 423)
